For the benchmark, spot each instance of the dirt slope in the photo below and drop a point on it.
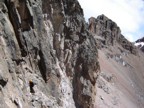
(121, 82)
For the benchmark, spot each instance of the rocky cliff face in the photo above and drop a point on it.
(48, 59)
(108, 33)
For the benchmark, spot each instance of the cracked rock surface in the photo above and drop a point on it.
(48, 59)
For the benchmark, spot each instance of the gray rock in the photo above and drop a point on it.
(3, 79)
(103, 85)
(47, 42)
(105, 28)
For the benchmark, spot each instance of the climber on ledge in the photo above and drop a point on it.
(31, 85)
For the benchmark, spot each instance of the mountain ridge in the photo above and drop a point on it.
(104, 27)
(120, 83)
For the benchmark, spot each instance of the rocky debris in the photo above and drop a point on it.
(119, 58)
(120, 83)
(46, 51)
(114, 100)
(106, 88)
(104, 81)
(107, 33)
(108, 77)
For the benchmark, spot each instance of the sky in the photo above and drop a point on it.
(128, 14)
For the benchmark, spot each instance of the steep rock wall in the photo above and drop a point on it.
(48, 59)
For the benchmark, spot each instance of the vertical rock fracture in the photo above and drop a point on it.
(48, 58)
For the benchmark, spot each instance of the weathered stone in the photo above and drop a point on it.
(47, 42)
(107, 33)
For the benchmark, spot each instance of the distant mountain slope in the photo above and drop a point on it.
(121, 81)
(140, 44)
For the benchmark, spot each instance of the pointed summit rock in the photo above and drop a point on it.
(108, 33)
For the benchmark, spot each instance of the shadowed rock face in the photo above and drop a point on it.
(108, 33)
(46, 42)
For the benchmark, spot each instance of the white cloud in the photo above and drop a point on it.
(128, 14)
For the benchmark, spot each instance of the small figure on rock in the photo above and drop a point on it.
(31, 85)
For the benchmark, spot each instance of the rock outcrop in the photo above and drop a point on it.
(48, 58)
(108, 33)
